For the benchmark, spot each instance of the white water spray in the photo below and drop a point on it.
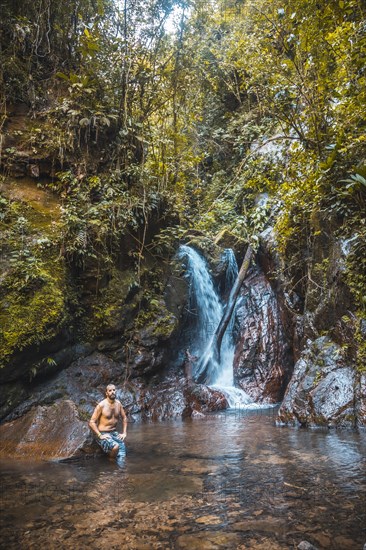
(206, 305)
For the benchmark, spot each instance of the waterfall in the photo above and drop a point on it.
(204, 303)
(231, 269)
(205, 312)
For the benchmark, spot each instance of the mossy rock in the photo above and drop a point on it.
(114, 307)
(31, 318)
(33, 287)
(155, 322)
(206, 247)
(226, 239)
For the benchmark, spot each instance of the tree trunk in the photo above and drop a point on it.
(220, 331)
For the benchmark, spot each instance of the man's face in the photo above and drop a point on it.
(111, 392)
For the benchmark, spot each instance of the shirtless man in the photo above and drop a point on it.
(104, 423)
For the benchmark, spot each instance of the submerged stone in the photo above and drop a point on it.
(207, 541)
(305, 545)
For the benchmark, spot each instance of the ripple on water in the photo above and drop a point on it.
(227, 481)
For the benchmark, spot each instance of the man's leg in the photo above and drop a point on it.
(114, 452)
(110, 446)
(119, 448)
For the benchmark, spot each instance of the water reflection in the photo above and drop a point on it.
(228, 481)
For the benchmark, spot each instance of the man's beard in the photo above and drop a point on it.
(112, 397)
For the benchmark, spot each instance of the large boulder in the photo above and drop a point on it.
(323, 387)
(180, 398)
(263, 355)
(52, 432)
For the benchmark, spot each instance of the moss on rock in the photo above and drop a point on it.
(33, 287)
(113, 307)
(31, 318)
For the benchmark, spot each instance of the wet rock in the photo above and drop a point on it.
(84, 382)
(177, 398)
(164, 401)
(17, 393)
(319, 306)
(263, 358)
(322, 389)
(202, 399)
(176, 294)
(209, 520)
(327, 305)
(344, 542)
(322, 539)
(361, 401)
(269, 525)
(207, 541)
(305, 545)
(146, 361)
(47, 432)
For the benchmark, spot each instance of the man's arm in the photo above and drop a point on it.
(123, 435)
(94, 421)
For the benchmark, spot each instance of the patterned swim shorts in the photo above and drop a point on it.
(108, 444)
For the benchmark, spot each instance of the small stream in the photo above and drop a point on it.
(231, 480)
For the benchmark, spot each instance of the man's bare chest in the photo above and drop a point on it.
(110, 412)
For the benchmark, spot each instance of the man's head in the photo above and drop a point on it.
(111, 392)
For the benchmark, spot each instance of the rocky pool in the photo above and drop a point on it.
(231, 480)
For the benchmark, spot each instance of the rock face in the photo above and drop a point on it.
(83, 382)
(52, 422)
(46, 433)
(322, 390)
(361, 400)
(142, 351)
(22, 160)
(263, 356)
(327, 387)
(177, 398)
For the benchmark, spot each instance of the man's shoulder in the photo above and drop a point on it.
(102, 403)
(119, 404)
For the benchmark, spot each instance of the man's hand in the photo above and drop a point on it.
(104, 436)
(122, 437)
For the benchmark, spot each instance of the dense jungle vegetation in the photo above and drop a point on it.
(157, 116)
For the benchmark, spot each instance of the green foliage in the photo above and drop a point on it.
(356, 265)
(156, 132)
(97, 211)
(166, 241)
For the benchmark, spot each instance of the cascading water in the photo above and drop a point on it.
(206, 306)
